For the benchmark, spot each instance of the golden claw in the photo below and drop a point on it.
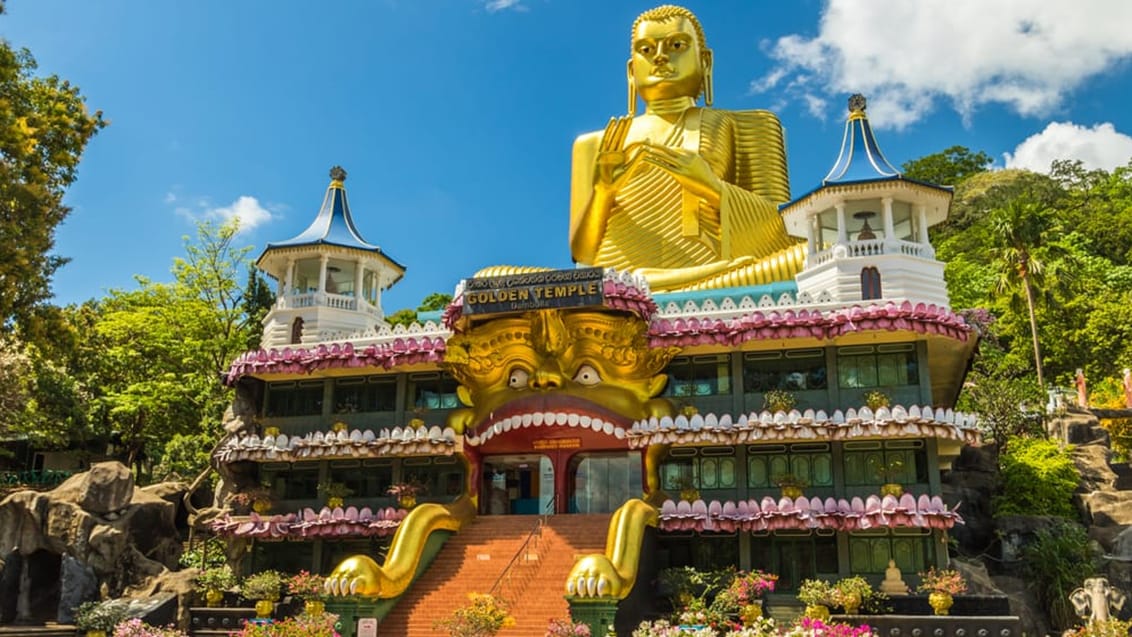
(614, 573)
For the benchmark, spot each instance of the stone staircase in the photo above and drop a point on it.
(474, 559)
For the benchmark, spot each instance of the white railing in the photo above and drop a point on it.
(873, 248)
(324, 299)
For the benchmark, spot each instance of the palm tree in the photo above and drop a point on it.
(1021, 231)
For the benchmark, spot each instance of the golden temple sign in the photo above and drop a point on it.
(556, 443)
(534, 291)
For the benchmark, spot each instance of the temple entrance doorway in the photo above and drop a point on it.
(518, 483)
(602, 482)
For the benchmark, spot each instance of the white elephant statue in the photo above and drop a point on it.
(1094, 599)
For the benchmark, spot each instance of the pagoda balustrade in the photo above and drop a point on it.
(327, 299)
(873, 248)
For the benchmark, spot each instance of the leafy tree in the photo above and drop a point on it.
(431, 303)
(435, 301)
(1021, 231)
(948, 167)
(403, 316)
(257, 302)
(44, 127)
(153, 357)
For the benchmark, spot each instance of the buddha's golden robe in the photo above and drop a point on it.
(656, 224)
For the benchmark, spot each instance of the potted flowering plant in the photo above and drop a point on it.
(137, 628)
(213, 581)
(310, 588)
(744, 593)
(567, 628)
(941, 585)
(257, 498)
(779, 400)
(297, 626)
(792, 485)
(850, 593)
(98, 619)
(263, 588)
(889, 473)
(875, 399)
(483, 616)
(335, 493)
(817, 595)
(406, 492)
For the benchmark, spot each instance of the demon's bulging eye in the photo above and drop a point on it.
(587, 375)
(518, 378)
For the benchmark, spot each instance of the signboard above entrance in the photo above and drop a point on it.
(581, 287)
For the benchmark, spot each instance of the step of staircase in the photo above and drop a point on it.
(473, 560)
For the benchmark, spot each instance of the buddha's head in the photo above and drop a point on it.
(592, 364)
(669, 56)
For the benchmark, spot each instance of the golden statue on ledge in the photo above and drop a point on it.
(685, 195)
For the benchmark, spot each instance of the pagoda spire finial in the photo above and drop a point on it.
(337, 176)
(857, 103)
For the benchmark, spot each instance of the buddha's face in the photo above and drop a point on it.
(667, 61)
(591, 367)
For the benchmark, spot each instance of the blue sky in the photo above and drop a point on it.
(455, 118)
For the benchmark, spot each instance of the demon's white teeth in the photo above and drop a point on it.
(561, 418)
(572, 420)
(596, 424)
(506, 424)
(527, 419)
(607, 428)
(548, 418)
(584, 421)
(619, 433)
(536, 418)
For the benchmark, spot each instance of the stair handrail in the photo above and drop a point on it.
(532, 537)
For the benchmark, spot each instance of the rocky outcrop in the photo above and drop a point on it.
(119, 534)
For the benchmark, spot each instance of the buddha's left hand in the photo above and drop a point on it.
(687, 167)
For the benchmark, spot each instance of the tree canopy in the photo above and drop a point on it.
(44, 127)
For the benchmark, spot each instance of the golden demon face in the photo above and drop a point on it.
(575, 367)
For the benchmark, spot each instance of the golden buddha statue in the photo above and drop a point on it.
(685, 195)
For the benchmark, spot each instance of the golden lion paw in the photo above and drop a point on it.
(357, 575)
(594, 576)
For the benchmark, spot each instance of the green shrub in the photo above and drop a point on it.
(1056, 563)
(1038, 478)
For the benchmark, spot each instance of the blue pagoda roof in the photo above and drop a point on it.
(334, 224)
(861, 158)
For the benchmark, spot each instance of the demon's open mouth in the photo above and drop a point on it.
(550, 410)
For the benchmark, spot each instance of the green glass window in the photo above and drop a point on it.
(790, 370)
(877, 366)
(869, 552)
(795, 557)
(698, 376)
(705, 468)
(812, 462)
(303, 398)
(375, 393)
(870, 463)
(433, 391)
(706, 552)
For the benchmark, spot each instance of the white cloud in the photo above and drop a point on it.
(905, 55)
(1101, 146)
(502, 5)
(170, 197)
(247, 209)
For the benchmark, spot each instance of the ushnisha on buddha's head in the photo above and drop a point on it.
(669, 57)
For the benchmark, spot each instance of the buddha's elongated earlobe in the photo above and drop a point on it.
(632, 89)
(707, 88)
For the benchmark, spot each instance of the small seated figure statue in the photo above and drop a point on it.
(685, 195)
(893, 583)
